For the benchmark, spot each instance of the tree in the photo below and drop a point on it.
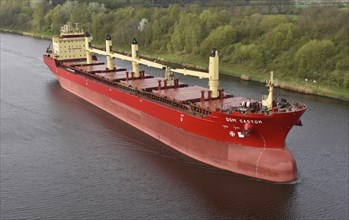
(314, 58)
(16, 14)
(249, 55)
(81, 15)
(281, 38)
(219, 38)
(269, 22)
(187, 34)
(325, 23)
(38, 20)
(346, 80)
(58, 17)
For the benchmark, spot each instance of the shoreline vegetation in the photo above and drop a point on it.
(306, 47)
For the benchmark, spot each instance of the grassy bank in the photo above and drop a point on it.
(235, 70)
(30, 34)
(239, 71)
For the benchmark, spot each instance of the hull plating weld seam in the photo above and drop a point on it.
(260, 154)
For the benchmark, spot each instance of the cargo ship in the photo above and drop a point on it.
(242, 135)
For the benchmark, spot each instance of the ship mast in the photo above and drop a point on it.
(268, 101)
(212, 75)
(135, 57)
(108, 48)
(88, 39)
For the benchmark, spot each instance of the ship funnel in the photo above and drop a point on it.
(88, 39)
(108, 48)
(214, 73)
(135, 57)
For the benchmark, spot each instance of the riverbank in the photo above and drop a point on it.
(307, 86)
(30, 34)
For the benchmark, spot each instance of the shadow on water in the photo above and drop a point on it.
(223, 194)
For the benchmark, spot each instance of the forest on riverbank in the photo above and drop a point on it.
(306, 47)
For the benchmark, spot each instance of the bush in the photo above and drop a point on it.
(314, 58)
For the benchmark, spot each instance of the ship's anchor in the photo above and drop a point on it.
(247, 129)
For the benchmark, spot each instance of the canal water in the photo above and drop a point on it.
(63, 158)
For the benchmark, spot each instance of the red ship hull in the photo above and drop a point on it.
(262, 155)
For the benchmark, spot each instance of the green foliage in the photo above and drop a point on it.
(342, 59)
(314, 58)
(249, 30)
(281, 38)
(325, 23)
(16, 14)
(346, 80)
(312, 42)
(271, 21)
(187, 34)
(249, 55)
(38, 19)
(219, 38)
